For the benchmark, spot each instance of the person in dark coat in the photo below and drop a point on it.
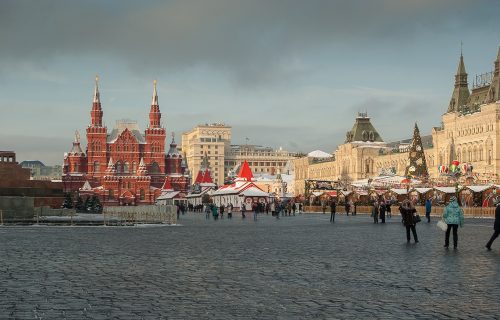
(408, 214)
(388, 209)
(382, 211)
(333, 210)
(221, 210)
(375, 211)
(496, 225)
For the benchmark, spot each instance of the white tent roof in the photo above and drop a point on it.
(399, 191)
(319, 154)
(422, 190)
(478, 188)
(446, 189)
(254, 192)
(168, 195)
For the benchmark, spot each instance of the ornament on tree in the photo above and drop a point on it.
(416, 164)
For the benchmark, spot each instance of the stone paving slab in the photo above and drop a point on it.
(298, 267)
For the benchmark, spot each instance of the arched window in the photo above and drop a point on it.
(364, 135)
(77, 167)
(142, 194)
(474, 154)
(155, 168)
(464, 155)
(480, 153)
(125, 167)
(134, 167)
(128, 185)
(119, 167)
(372, 136)
(96, 167)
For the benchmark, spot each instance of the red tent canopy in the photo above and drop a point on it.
(245, 172)
(207, 178)
(199, 177)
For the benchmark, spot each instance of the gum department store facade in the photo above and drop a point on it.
(470, 133)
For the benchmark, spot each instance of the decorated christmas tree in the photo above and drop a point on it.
(416, 166)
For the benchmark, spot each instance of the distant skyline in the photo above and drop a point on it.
(282, 73)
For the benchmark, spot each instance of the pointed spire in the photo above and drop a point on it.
(97, 98)
(96, 112)
(461, 66)
(494, 91)
(111, 166)
(245, 172)
(142, 171)
(460, 95)
(77, 136)
(154, 101)
(154, 112)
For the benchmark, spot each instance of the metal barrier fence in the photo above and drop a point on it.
(140, 214)
(471, 212)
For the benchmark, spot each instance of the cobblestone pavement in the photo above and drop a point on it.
(298, 267)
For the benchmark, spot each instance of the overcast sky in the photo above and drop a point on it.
(282, 73)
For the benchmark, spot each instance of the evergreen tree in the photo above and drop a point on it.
(68, 201)
(79, 204)
(96, 205)
(417, 166)
(88, 204)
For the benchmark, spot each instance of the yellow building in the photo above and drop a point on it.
(470, 133)
(214, 140)
(210, 139)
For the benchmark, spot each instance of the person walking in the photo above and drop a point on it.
(300, 207)
(221, 210)
(333, 209)
(408, 211)
(347, 207)
(215, 212)
(375, 211)
(496, 225)
(428, 208)
(294, 208)
(323, 206)
(229, 210)
(207, 211)
(453, 216)
(178, 211)
(382, 209)
(352, 207)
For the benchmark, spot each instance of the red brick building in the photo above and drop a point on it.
(124, 166)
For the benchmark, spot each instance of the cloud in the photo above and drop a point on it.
(252, 41)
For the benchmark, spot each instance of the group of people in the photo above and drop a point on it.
(453, 217)
(380, 209)
(333, 209)
(216, 211)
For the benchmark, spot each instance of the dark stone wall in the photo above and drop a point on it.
(17, 208)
